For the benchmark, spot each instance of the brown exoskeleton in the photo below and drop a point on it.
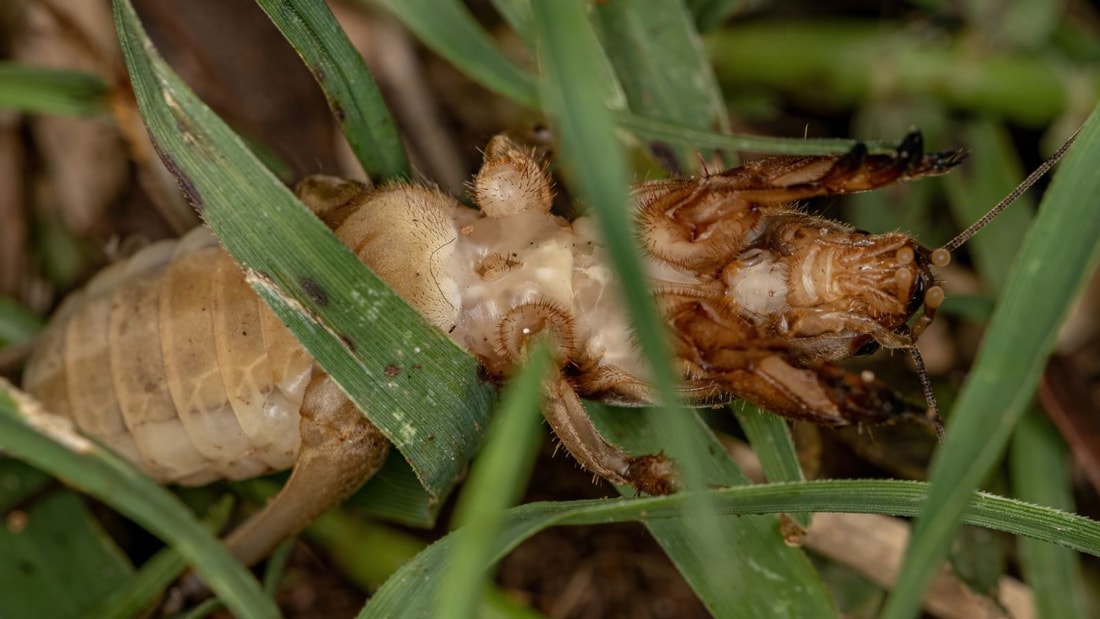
(171, 359)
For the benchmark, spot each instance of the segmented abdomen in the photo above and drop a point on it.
(171, 360)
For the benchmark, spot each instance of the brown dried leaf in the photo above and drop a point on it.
(13, 232)
(85, 161)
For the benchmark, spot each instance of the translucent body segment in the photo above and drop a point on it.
(291, 368)
(186, 307)
(137, 367)
(45, 375)
(94, 406)
(246, 370)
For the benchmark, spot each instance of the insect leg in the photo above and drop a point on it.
(783, 179)
(340, 450)
(826, 395)
(652, 474)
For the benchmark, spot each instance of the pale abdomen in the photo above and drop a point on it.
(171, 360)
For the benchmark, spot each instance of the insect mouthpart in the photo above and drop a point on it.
(923, 291)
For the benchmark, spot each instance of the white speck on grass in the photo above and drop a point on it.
(763, 571)
(408, 433)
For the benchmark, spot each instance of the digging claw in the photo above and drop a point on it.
(654, 475)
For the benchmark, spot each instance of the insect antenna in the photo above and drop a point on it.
(933, 414)
(943, 253)
(942, 256)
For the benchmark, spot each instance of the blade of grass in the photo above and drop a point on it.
(659, 60)
(672, 133)
(447, 27)
(17, 323)
(709, 14)
(571, 96)
(51, 444)
(519, 15)
(395, 494)
(496, 482)
(408, 593)
(739, 590)
(771, 440)
(350, 322)
(135, 596)
(56, 542)
(1040, 474)
(368, 553)
(587, 138)
(1059, 252)
(51, 91)
(1037, 454)
(347, 83)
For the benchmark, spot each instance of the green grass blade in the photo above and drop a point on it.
(672, 133)
(1059, 252)
(54, 542)
(1038, 455)
(396, 495)
(735, 589)
(1040, 474)
(447, 27)
(571, 95)
(144, 586)
(587, 138)
(709, 14)
(408, 593)
(771, 440)
(51, 444)
(519, 16)
(51, 91)
(352, 94)
(135, 596)
(358, 329)
(496, 482)
(659, 59)
(17, 323)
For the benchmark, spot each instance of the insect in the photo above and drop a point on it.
(174, 362)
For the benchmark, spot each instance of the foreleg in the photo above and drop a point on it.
(652, 474)
(826, 395)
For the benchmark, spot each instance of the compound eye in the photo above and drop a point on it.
(916, 296)
(869, 347)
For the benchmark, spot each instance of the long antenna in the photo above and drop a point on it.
(932, 416)
(965, 235)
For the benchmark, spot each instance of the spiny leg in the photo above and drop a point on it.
(826, 395)
(700, 224)
(652, 474)
(780, 180)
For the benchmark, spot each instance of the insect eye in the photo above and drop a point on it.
(869, 347)
(916, 297)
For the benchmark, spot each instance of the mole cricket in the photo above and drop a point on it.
(172, 360)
